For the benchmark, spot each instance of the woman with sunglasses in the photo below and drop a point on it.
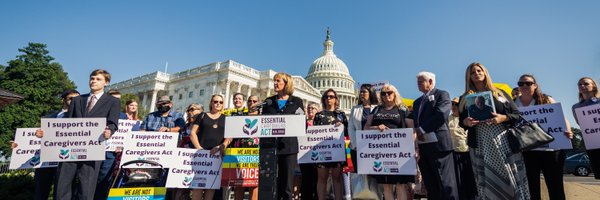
(208, 133)
(391, 114)
(284, 103)
(499, 173)
(589, 95)
(367, 101)
(330, 115)
(251, 104)
(308, 188)
(548, 161)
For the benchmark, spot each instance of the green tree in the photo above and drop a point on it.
(40, 81)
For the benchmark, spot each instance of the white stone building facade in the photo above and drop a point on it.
(197, 85)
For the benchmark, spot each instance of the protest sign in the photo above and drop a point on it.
(389, 152)
(154, 146)
(322, 144)
(265, 126)
(589, 122)
(118, 138)
(550, 118)
(194, 168)
(240, 167)
(73, 139)
(27, 153)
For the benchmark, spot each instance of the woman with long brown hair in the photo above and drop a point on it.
(499, 173)
(546, 160)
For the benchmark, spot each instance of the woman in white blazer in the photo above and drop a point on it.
(367, 101)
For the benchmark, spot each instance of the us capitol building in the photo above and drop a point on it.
(196, 85)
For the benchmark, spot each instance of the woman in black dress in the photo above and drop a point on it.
(330, 115)
(208, 133)
(391, 114)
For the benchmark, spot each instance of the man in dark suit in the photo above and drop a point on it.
(436, 161)
(95, 104)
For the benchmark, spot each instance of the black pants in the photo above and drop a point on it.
(437, 170)
(43, 180)
(465, 179)
(86, 171)
(308, 189)
(594, 156)
(551, 164)
(285, 175)
(354, 159)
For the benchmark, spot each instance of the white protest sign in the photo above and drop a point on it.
(153, 146)
(389, 152)
(265, 126)
(589, 122)
(27, 153)
(322, 144)
(118, 138)
(73, 139)
(378, 85)
(194, 168)
(550, 118)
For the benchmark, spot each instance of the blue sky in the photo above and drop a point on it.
(557, 41)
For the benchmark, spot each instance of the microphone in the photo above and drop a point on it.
(267, 102)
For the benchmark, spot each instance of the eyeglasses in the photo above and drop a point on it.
(311, 108)
(217, 102)
(330, 97)
(521, 84)
(388, 93)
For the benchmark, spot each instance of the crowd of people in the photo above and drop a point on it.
(458, 156)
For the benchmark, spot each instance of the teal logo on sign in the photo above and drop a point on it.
(64, 153)
(187, 181)
(140, 164)
(314, 155)
(35, 160)
(250, 128)
(377, 166)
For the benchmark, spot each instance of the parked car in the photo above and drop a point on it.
(578, 164)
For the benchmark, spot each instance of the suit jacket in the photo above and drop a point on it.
(293, 106)
(434, 116)
(106, 107)
(354, 123)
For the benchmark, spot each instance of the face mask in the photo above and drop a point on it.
(164, 108)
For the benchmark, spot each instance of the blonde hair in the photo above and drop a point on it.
(289, 82)
(397, 97)
(470, 86)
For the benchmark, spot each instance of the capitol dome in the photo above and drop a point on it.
(328, 71)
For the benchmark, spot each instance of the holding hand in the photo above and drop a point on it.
(382, 127)
(218, 149)
(497, 119)
(569, 135)
(39, 133)
(470, 122)
(13, 144)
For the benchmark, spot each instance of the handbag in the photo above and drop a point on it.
(525, 135)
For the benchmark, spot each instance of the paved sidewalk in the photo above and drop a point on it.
(576, 191)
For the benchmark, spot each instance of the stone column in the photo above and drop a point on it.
(153, 102)
(226, 99)
(145, 100)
